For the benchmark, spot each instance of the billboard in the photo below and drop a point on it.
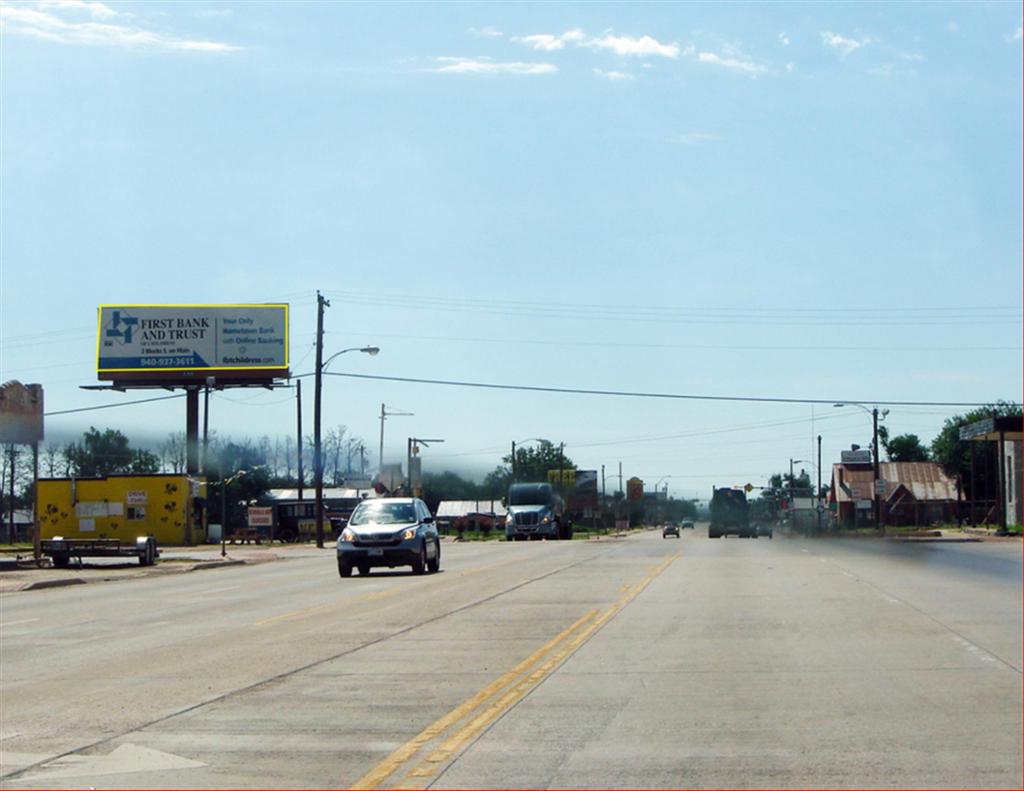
(855, 456)
(583, 495)
(21, 413)
(161, 342)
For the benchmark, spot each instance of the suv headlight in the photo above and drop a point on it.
(348, 534)
(409, 534)
(546, 520)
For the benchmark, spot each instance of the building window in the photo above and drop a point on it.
(136, 513)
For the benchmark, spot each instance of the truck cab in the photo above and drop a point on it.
(535, 511)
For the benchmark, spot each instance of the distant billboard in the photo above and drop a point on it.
(161, 342)
(21, 414)
(583, 495)
(855, 456)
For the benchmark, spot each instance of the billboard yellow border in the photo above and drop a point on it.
(287, 333)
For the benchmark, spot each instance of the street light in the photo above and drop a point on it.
(791, 463)
(318, 465)
(413, 449)
(521, 442)
(384, 415)
(874, 442)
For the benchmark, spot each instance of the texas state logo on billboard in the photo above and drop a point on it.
(151, 341)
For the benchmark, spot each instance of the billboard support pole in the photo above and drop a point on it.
(191, 446)
(298, 431)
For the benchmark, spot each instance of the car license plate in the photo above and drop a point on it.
(375, 553)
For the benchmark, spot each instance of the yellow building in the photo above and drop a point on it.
(124, 507)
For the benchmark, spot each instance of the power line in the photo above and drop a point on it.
(112, 406)
(632, 394)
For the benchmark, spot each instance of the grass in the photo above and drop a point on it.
(21, 546)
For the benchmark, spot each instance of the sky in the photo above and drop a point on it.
(806, 201)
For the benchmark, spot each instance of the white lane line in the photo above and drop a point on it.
(15, 623)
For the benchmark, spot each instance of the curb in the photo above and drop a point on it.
(154, 571)
(31, 586)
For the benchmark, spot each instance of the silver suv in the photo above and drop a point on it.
(394, 531)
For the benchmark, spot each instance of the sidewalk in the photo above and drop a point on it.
(21, 574)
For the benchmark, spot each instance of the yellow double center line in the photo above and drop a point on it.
(456, 728)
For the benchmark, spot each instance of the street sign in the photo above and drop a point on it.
(880, 487)
(260, 516)
(748, 488)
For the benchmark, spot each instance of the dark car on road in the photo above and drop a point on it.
(687, 524)
(394, 531)
(670, 529)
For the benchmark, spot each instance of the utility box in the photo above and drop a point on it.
(166, 508)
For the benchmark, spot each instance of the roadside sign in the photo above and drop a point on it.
(748, 488)
(879, 487)
(260, 516)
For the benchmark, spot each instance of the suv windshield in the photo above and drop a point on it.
(383, 514)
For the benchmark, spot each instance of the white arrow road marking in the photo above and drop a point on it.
(125, 759)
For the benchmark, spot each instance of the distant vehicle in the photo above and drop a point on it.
(730, 513)
(688, 524)
(535, 511)
(389, 531)
(670, 529)
(763, 529)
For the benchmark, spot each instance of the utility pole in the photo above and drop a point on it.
(383, 416)
(318, 464)
(513, 461)
(603, 494)
(362, 459)
(620, 479)
(878, 502)
(818, 494)
(298, 430)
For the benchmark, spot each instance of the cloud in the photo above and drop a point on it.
(693, 139)
(95, 10)
(741, 66)
(914, 57)
(841, 43)
(1018, 33)
(547, 42)
(627, 46)
(59, 21)
(487, 66)
(485, 32)
(784, 39)
(613, 75)
(790, 68)
(542, 41)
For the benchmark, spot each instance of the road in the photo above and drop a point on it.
(635, 662)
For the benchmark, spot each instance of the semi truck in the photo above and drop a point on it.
(730, 513)
(535, 510)
(117, 516)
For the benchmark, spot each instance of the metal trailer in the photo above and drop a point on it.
(61, 549)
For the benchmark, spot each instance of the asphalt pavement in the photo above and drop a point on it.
(631, 662)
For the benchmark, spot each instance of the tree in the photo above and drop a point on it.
(449, 486)
(242, 472)
(955, 455)
(532, 465)
(906, 447)
(98, 455)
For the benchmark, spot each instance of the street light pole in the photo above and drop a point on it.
(321, 364)
(318, 469)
